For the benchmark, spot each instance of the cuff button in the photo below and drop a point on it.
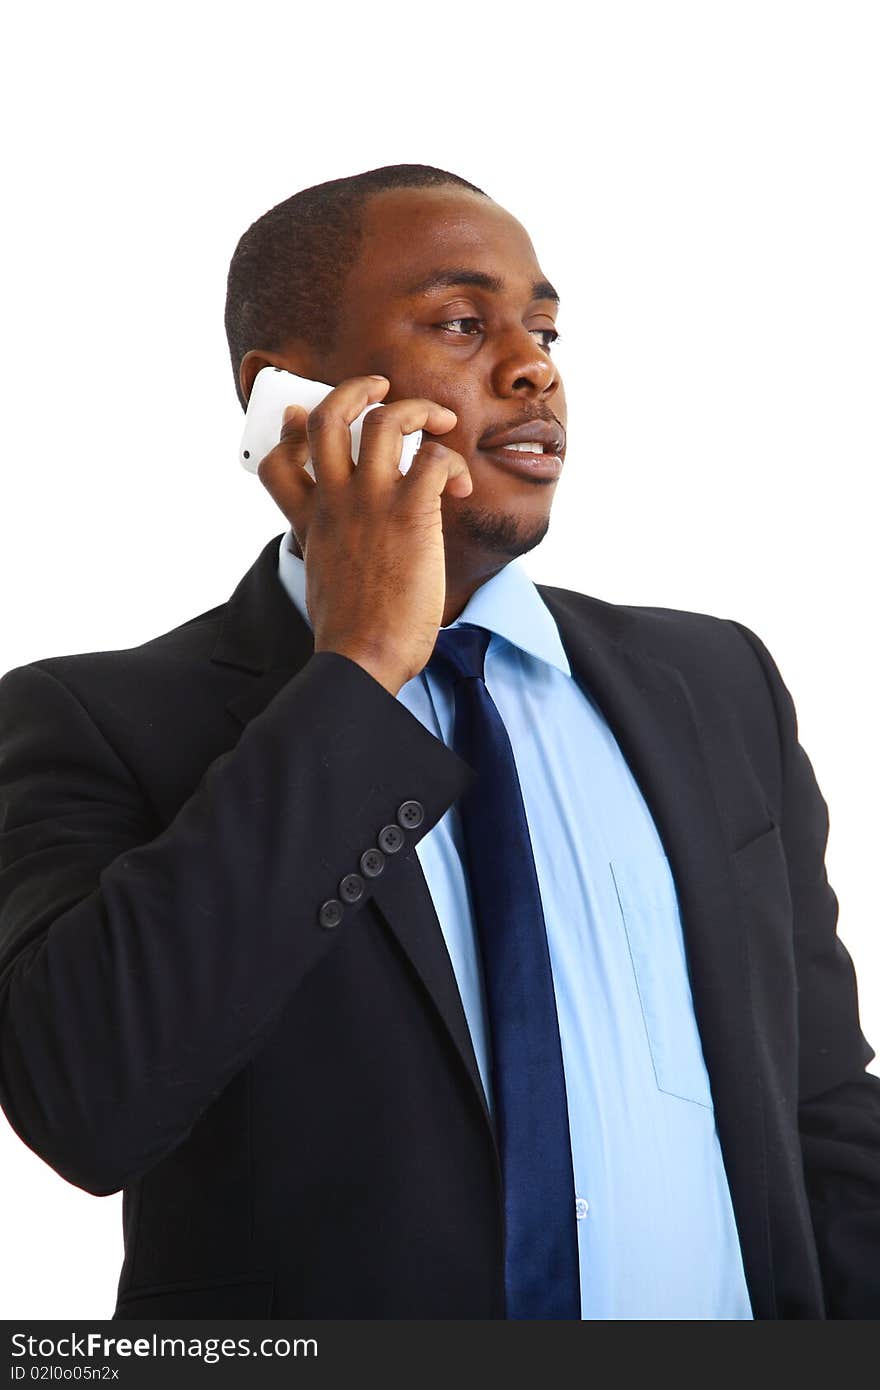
(410, 814)
(390, 838)
(331, 912)
(351, 888)
(372, 862)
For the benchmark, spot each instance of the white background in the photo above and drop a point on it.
(700, 184)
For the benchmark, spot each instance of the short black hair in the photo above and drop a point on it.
(289, 267)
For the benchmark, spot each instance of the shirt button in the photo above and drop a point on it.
(581, 1208)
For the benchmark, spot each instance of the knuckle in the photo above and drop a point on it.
(320, 419)
(265, 467)
(292, 432)
(433, 459)
(378, 421)
(360, 510)
(367, 487)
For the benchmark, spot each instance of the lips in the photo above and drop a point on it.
(537, 467)
(549, 435)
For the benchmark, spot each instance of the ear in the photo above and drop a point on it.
(253, 362)
(292, 359)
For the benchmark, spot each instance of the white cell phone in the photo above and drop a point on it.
(273, 389)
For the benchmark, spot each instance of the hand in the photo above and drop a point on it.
(371, 537)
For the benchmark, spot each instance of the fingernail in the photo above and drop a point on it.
(377, 378)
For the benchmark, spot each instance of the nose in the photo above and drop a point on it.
(524, 369)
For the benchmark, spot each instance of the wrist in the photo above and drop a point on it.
(381, 670)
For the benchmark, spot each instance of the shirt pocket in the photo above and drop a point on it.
(650, 915)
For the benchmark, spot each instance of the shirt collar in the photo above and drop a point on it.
(508, 604)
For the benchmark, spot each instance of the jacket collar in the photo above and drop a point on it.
(262, 631)
(261, 628)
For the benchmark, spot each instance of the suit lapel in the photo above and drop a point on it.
(405, 901)
(649, 710)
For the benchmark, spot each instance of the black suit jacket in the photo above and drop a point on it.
(293, 1111)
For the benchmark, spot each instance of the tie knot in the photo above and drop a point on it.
(460, 651)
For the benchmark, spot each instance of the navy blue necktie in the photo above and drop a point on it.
(541, 1271)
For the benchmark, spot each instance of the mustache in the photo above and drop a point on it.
(545, 417)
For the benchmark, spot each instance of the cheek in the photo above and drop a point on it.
(448, 389)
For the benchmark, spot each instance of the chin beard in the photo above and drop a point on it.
(500, 533)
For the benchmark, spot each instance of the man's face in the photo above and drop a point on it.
(482, 351)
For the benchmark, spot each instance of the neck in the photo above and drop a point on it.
(459, 589)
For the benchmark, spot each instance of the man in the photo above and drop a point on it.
(408, 940)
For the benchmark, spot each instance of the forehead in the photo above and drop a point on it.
(410, 232)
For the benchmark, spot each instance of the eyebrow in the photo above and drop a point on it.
(442, 279)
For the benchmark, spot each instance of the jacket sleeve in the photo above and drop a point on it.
(139, 972)
(839, 1102)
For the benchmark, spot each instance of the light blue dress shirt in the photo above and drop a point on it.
(656, 1230)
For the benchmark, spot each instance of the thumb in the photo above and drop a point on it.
(293, 424)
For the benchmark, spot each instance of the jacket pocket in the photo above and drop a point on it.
(650, 914)
(246, 1298)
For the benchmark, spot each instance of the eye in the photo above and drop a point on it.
(447, 322)
(551, 333)
(555, 337)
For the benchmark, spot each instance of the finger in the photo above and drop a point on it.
(282, 472)
(383, 430)
(293, 427)
(437, 469)
(329, 426)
